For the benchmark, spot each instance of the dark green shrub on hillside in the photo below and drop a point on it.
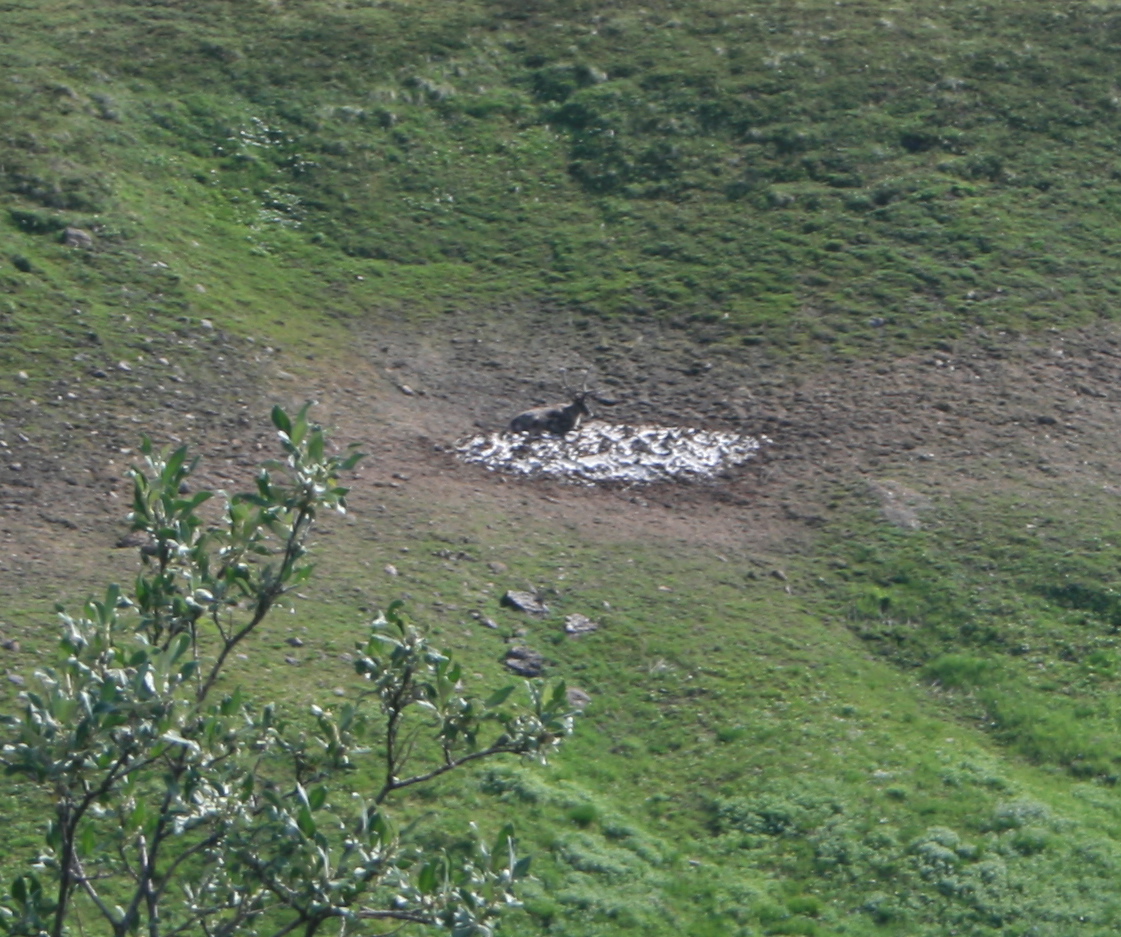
(959, 671)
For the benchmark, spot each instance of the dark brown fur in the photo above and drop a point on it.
(558, 420)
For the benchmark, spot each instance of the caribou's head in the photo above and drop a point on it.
(579, 397)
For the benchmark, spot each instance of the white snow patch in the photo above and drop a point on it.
(606, 452)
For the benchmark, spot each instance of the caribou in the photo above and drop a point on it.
(558, 420)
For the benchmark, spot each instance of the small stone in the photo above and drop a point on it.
(97, 372)
(124, 366)
(22, 375)
(664, 589)
(10, 644)
(489, 623)
(579, 624)
(294, 661)
(496, 567)
(339, 691)
(76, 237)
(295, 642)
(16, 679)
(390, 569)
(577, 698)
(525, 661)
(778, 574)
(206, 324)
(524, 602)
(406, 390)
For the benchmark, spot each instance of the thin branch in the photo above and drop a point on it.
(408, 746)
(264, 605)
(150, 855)
(409, 917)
(288, 928)
(390, 933)
(167, 874)
(396, 784)
(87, 886)
(125, 860)
(299, 532)
(199, 919)
(144, 882)
(216, 616)
(271, 884)
(396, 708)
(70, 823)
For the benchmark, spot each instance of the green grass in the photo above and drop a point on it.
(778, 753)
(922, 737)
(802, 170)
(875, 803)
(843, 782)
(746, 765)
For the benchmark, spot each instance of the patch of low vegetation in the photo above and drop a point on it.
(1029, 653)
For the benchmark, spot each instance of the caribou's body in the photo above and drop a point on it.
(557, 420)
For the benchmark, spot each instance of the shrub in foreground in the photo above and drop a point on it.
(179, 806)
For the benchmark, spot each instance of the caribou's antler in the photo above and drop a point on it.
(583, 384)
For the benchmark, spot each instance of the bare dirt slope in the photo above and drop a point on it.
(992, 409)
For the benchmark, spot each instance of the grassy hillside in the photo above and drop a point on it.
(856, 728)
(801, 168)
